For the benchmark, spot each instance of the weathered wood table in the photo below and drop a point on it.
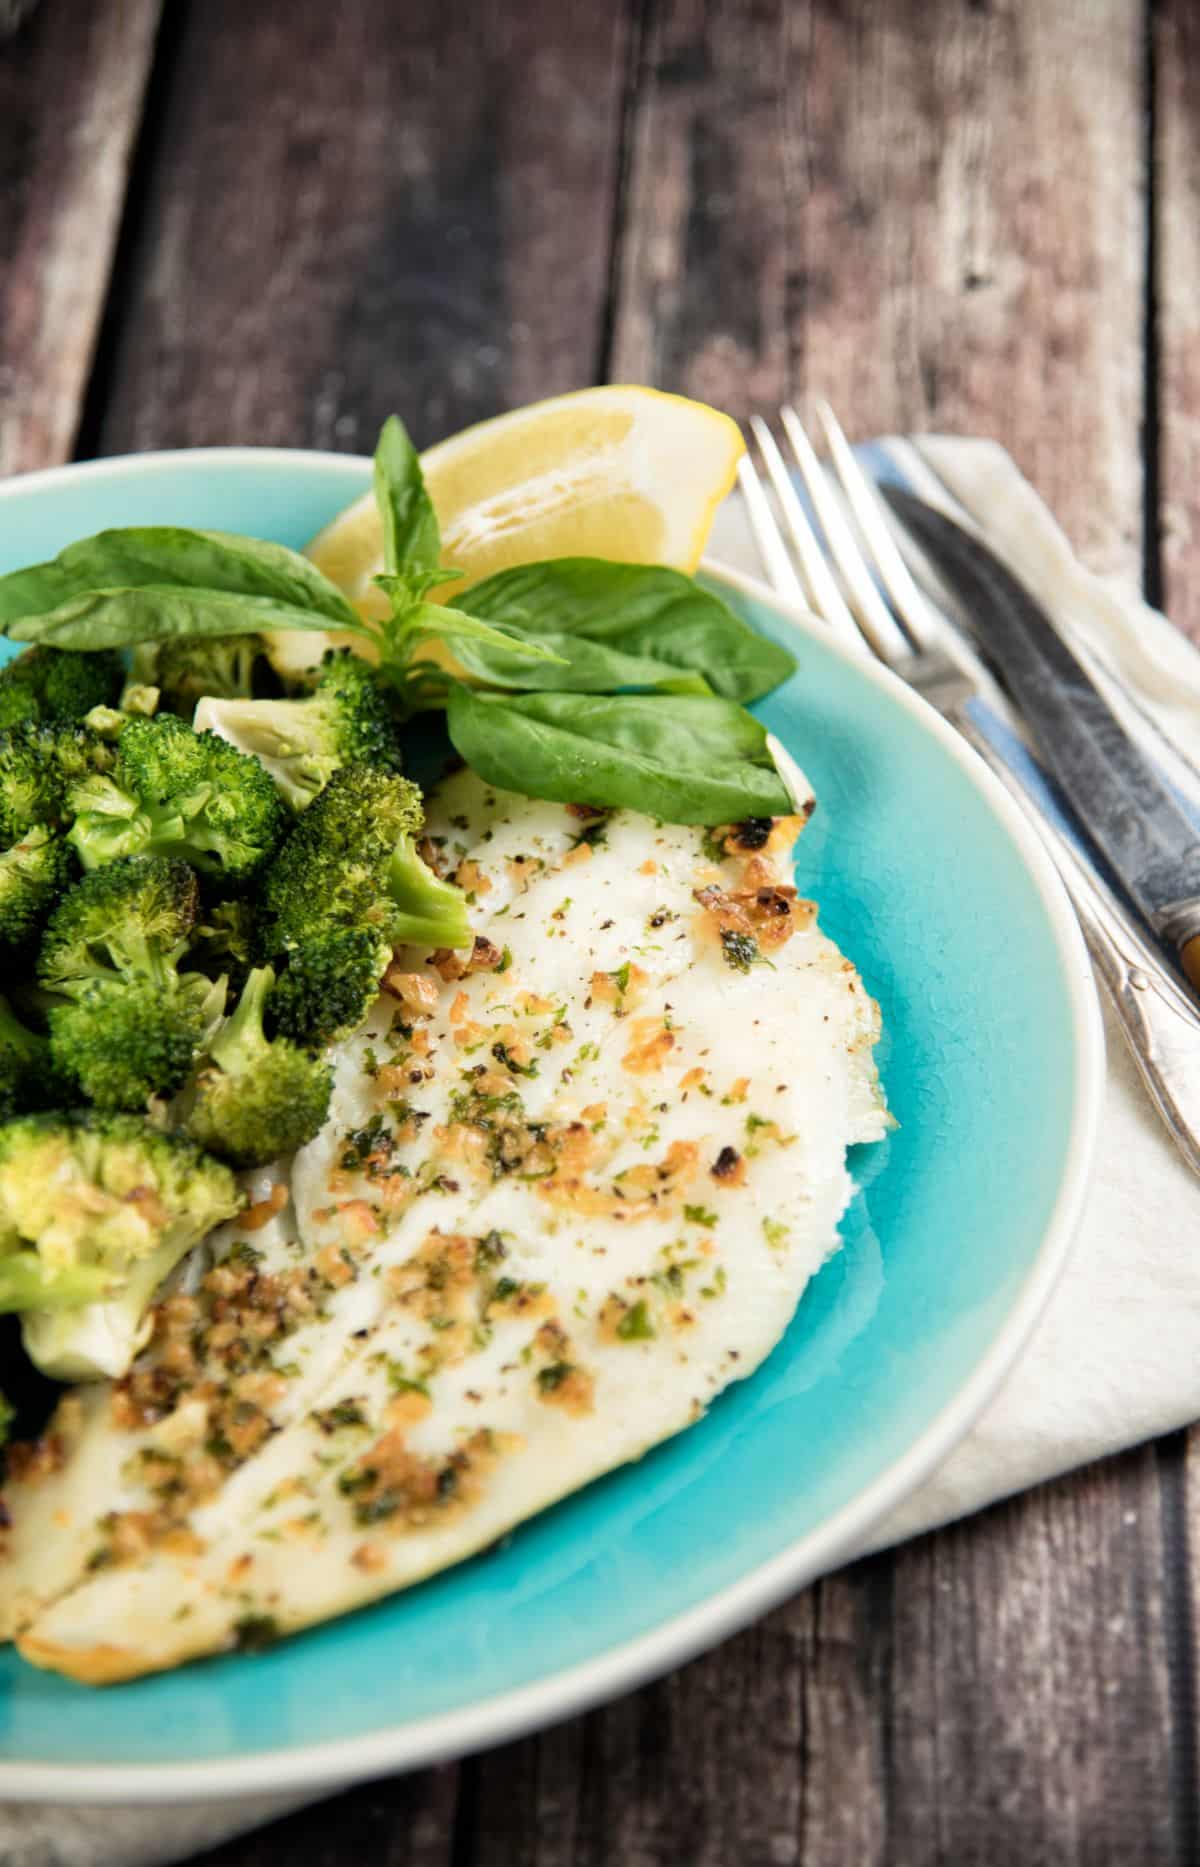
(243, 220)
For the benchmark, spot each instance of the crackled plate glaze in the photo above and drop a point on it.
(992, 1060)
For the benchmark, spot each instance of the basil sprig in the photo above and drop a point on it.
(576, 679)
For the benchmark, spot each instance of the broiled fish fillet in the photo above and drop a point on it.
(560, 1203)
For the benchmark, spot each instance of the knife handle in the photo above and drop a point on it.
(1179, 925)
(1189, 959)
(1158, 1022)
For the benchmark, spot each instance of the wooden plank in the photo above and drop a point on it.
(357, 209)
(1177, 162)
(1176, 154)
(929, 213)
(71, 88)
(405, 1822)
(973, 1700)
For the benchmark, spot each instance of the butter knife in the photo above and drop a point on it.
(1113, 788)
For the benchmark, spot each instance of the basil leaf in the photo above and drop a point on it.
(447, 624)
(157, 612)
(158, 556)
(685, 758)
(33, 591)
(582, 667)
(410, 527)
(639, 609)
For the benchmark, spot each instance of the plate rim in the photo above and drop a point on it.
(507, 1715)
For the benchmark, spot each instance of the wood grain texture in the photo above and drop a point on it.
(71, 86)
(408, 1821)
(1176, 437)
(363, 208)
(1177, 165)
(996, 1692)
(930, 214)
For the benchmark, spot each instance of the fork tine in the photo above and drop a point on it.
(874, 618)
(822, 592)
(875, 525)
(780, 570)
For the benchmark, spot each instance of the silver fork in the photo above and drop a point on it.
(874, 606)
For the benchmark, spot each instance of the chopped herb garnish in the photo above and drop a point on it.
(700, 1215)
(246, 1254)
(342, 1413)
(254, 1633)
(401, 1382)
(376, 1509)
(364, 1143)
(595, 835)
(635, 1324)
(489, 1249)
(553, 1377)
(741, 950)
(504, 1058)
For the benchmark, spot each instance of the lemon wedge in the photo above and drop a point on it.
(625, 473)
(620, 472)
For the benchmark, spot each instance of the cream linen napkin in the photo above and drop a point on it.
(1116, 1358)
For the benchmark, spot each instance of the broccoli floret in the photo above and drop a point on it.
(126, 1025)
(95, 1210)
(346, 888)
(223, 941)
(125, 1046)
(302, 743)
(253, 1098)
(222, 665)
(29, 1078)
(39, 765)
(58, 684)
(329, 983)
(33, 874)
(351, 862)
(174, 792)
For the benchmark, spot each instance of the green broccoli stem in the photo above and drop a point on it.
(133, 953)
(241, 1037)
(16, 1036)
(99, 1334)
(28, 1282)
(432, 912)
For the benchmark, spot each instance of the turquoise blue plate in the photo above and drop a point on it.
(993, 1064)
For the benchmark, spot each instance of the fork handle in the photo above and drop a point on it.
(1158, 1022)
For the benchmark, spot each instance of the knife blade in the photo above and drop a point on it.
(1113, 787)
